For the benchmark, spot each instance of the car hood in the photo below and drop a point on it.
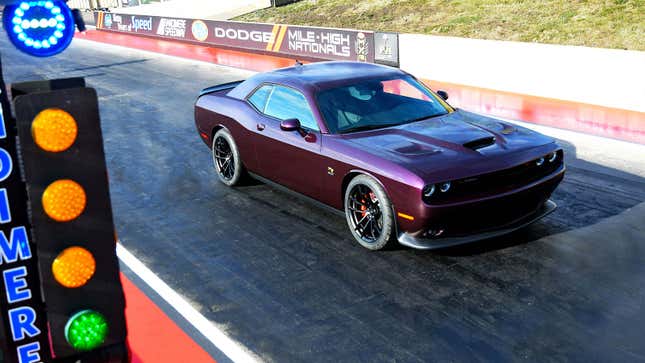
(459, 144)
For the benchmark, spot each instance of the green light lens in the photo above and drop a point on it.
(86, 330)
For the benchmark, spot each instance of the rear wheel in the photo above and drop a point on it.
(368, 211)
(226, 158)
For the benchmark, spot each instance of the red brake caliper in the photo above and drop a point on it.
(363, 208)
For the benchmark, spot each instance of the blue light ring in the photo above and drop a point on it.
(34, 46)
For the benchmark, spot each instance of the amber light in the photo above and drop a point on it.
(64, 200)
(74, 267)
(405, 216)
(54, 130)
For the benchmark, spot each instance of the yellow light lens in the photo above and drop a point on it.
(74, 267)
(54, 130)
(64, 200)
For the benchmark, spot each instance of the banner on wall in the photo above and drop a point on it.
(291, 40)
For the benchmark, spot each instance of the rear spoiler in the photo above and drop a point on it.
(219, 87)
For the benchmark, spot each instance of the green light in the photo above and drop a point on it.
(86, 330)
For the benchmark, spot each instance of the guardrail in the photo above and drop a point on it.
(94, 4)
(312, 43)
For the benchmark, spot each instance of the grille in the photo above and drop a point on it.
(498, 181)
(493, 214)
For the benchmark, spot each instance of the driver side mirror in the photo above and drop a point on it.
(443, 95)
(292, 124)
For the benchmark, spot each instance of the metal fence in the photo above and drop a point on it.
(282, 2)
(104, 4)
(96, 4)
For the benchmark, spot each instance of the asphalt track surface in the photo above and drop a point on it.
(286, 280)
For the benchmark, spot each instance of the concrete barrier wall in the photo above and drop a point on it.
(611, 78)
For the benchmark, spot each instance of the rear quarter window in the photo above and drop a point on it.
(259, 98)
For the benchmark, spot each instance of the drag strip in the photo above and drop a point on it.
(286, 280)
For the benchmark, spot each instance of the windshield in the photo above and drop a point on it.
(378, 103)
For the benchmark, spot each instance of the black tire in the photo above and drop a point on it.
(369, 215)
(226, 158)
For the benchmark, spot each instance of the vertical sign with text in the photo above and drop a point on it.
(23, 335)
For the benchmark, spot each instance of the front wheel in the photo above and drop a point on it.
(226, 158)
(369, 213)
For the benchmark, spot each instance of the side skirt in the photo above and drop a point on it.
(297, 194)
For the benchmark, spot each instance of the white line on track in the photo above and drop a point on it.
(233, 350)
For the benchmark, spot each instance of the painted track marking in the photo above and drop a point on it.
(233, 350)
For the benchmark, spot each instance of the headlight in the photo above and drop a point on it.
(428, 190)
(539, 161)
(444, 187)
(552, 156)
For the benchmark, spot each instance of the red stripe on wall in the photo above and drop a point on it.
(152, 336)
(227, 57)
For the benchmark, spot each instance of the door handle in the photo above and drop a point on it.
(260, 127)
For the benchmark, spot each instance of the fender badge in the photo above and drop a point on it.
(330, 170)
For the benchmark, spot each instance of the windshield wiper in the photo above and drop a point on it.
(367, 127)
(381, 126)
(424, 118)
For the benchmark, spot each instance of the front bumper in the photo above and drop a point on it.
(478, 219)
(407, 239)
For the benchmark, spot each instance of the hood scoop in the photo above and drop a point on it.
(480, 143)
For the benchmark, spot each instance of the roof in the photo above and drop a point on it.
(317, 76)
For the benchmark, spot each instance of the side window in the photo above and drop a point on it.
(260, 96)
(286, 103)
(403, 88)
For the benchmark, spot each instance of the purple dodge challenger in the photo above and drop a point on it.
(377, 145)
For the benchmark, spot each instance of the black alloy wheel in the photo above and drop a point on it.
(224, 158)
(369, 213)
(365, 213)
